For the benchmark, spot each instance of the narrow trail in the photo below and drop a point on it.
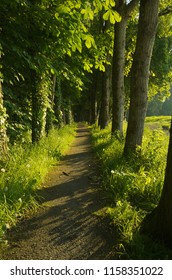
(66, 228)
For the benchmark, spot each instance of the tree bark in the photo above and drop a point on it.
(93, 97)
(118, 77)
(158, 223)
(68, 112)
(39, 107)
(3, 135)
(118, 89)
(147, 26)
(50, 111)
(105, 98)
(58, 104)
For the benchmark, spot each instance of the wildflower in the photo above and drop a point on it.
(2, 170)
(112, 171)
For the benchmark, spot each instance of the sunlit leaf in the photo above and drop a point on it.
(106, 15)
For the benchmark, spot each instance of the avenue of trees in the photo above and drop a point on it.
(95, 61)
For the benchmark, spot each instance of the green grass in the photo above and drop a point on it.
(133, 187)
(158, 122)
(24, 171)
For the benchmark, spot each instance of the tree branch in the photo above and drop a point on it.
(166, 11)
(130, 7)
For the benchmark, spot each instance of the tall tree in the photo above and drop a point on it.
(148, 19)
(158, 222)
(118, 93)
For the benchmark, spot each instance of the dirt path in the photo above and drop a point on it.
(67, 227)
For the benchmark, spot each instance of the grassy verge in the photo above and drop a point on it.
(133, 187)
(24, 171)
(158, 122)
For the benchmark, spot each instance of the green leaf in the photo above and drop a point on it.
(88, 13)
(98, 6)
(112, 3)
(111, 15)
(63, 9)
(52, 71)
(117, 16)
(88, 43)
(106, 15)
(57, 15)
(112, 18)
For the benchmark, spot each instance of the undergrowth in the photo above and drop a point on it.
(24, 171)
(133, 186)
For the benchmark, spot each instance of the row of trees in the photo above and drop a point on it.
(89, 59)
(59, 55)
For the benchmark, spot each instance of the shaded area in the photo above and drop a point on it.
(66, 227)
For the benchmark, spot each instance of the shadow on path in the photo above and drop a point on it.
(66, 227)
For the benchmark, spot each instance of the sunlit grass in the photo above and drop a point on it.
(24, 171)
(158, 122)
(133, 185)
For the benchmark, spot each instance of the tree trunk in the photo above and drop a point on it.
(3, 135)
(93, 97)
(50, 112)
(158, 224)
(118, 90)
(39, 107)
(58, 104)
(147, 26)
(118, 77)
(106, 88)
(68, 112)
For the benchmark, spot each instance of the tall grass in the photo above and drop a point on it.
(25, 170)
(134, 187)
